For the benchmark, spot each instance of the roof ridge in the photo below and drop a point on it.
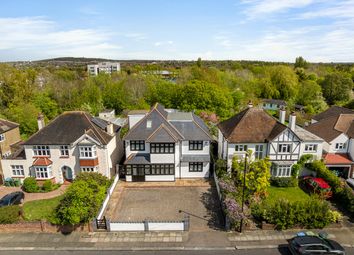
(138, 123)
(10, 121)
(165, 128)
(169, 123)
(201, 127)
(93, 126)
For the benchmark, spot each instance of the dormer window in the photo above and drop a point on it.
(88, 151)
(148, 124)
(41, 150)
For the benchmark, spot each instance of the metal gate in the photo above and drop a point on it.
(101, 223)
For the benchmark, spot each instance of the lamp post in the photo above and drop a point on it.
(243, 190)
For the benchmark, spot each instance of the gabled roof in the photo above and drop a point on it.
(331, 127)
(70, 126)
(141, 131)
(42, 162)
(162, 135)
(333, 111)
(6, 125)
(251, 125)
(337, 159)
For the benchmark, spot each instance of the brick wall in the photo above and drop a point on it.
(42, 226)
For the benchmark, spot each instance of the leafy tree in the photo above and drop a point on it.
(285, 81)
(300, 62)
(336, 87)
(199, 62)
(46, 104)
(310, 95)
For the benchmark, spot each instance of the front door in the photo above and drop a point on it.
(67, 173)
(139, 174)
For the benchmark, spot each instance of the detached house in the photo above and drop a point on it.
(73, 142)
(336, 127)
(254, 129)
(166, 144)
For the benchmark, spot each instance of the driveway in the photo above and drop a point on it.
(170, 203)
(33, 196)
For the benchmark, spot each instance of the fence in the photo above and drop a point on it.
(147, 225)
(108, 196)
(226, 218)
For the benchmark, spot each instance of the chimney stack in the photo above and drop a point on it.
(292, 121)
(40, 121)
(282, 113)
(110, 128)
(250, 104)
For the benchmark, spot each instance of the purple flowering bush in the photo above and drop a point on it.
(226, 186)
(234, 211)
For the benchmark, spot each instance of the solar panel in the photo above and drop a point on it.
(99, 122)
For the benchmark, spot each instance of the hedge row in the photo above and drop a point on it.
(9, 214)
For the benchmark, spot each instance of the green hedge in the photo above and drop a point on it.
(312, 213)
(9, 214)
(30, 185)
(283, 181)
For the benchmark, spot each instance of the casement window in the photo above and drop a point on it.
(88, 151)
(162, 148)
(41, 150)
(310, 147)
(195, 166)
(153, 169)
(341, 146)
(281, 171)
(17, 170)
(64, 150)
(259, 151)
(195, 145)
(240, 147)
(2, 137)
(6, 154)
(43, 172)
(284, 148)
(138, 145)
(89, 169)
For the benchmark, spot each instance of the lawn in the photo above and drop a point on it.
(40, 209)
(289, 193)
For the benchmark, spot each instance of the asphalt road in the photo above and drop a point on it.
(280, 250)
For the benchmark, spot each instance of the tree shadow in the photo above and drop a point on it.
(211, 202)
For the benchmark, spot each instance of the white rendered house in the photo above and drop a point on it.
(165, 145)
(254, 129)
(73, 142)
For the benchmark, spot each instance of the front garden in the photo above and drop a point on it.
(279, 201)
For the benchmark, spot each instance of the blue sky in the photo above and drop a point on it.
(271, 30)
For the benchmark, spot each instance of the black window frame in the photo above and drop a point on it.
(195, 167)
(195, 145)
(137, 145)
(162, 148)
(153, 169)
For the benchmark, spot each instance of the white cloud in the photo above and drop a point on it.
(37, 37)
(163, 43)
(136, 36)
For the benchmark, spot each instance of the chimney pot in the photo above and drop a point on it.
(292, 121)
(282, 114)
(110, 128)
(250, 104)
(40, 121)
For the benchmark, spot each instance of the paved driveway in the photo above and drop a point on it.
(170, 203)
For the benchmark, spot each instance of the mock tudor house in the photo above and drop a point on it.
(254, 129)
(9, 138)
(336, 127)
(73, 142)
(165, 145)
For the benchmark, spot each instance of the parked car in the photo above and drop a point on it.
(350, 183)
(311, 243)
(14, 198)
(318, 185)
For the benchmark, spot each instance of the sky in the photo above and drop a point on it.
(268, 30)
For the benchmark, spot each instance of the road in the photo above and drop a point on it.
(280, 250)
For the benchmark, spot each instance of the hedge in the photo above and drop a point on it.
(9, 214)
(283, 181)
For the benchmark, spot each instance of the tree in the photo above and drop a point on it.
(199, 62)
(310, 95)
(336, 87)
(285, 81)
(300, 62)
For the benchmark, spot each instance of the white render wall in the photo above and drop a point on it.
(186, 174)
(186, 151)
(158, 178)
(342, 138)
(128, 151)
(317, 154)
(250, 146)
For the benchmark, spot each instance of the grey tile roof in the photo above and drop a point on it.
(138, 159)
(6, 125)
(191, 131)
(162, 135)
(70, 126)
(305, 135)
(195, 158)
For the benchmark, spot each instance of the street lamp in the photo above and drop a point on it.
(243, 190)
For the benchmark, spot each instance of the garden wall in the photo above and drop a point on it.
(42, 226)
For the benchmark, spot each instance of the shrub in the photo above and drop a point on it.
(221, 168)
(9, 214)
(30, 185)
(97, 178)
(312, 213)
(346, 199)
(283, 181)
(234, 212)
(47, 186)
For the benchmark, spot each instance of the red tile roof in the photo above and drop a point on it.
(337, 159)
(42, 162)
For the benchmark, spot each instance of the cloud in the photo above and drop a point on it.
(337, 10)
(136, 36)
(36, 37)
(163, 43)
(89, 10)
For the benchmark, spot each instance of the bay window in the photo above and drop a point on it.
(43, 172)
(88, 151)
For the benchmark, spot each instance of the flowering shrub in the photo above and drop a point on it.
(226, 187)
(234, 211)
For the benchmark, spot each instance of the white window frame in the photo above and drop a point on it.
(281, 171)
(41, 150)
(18, 170)
(310, 147)
(6, 154)
(88, 151)
(258, 154)
(89, 169)
(284, 148)
(2, 137)
(341, 146)
(64, 150)
(241, 147)
(43, 172)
